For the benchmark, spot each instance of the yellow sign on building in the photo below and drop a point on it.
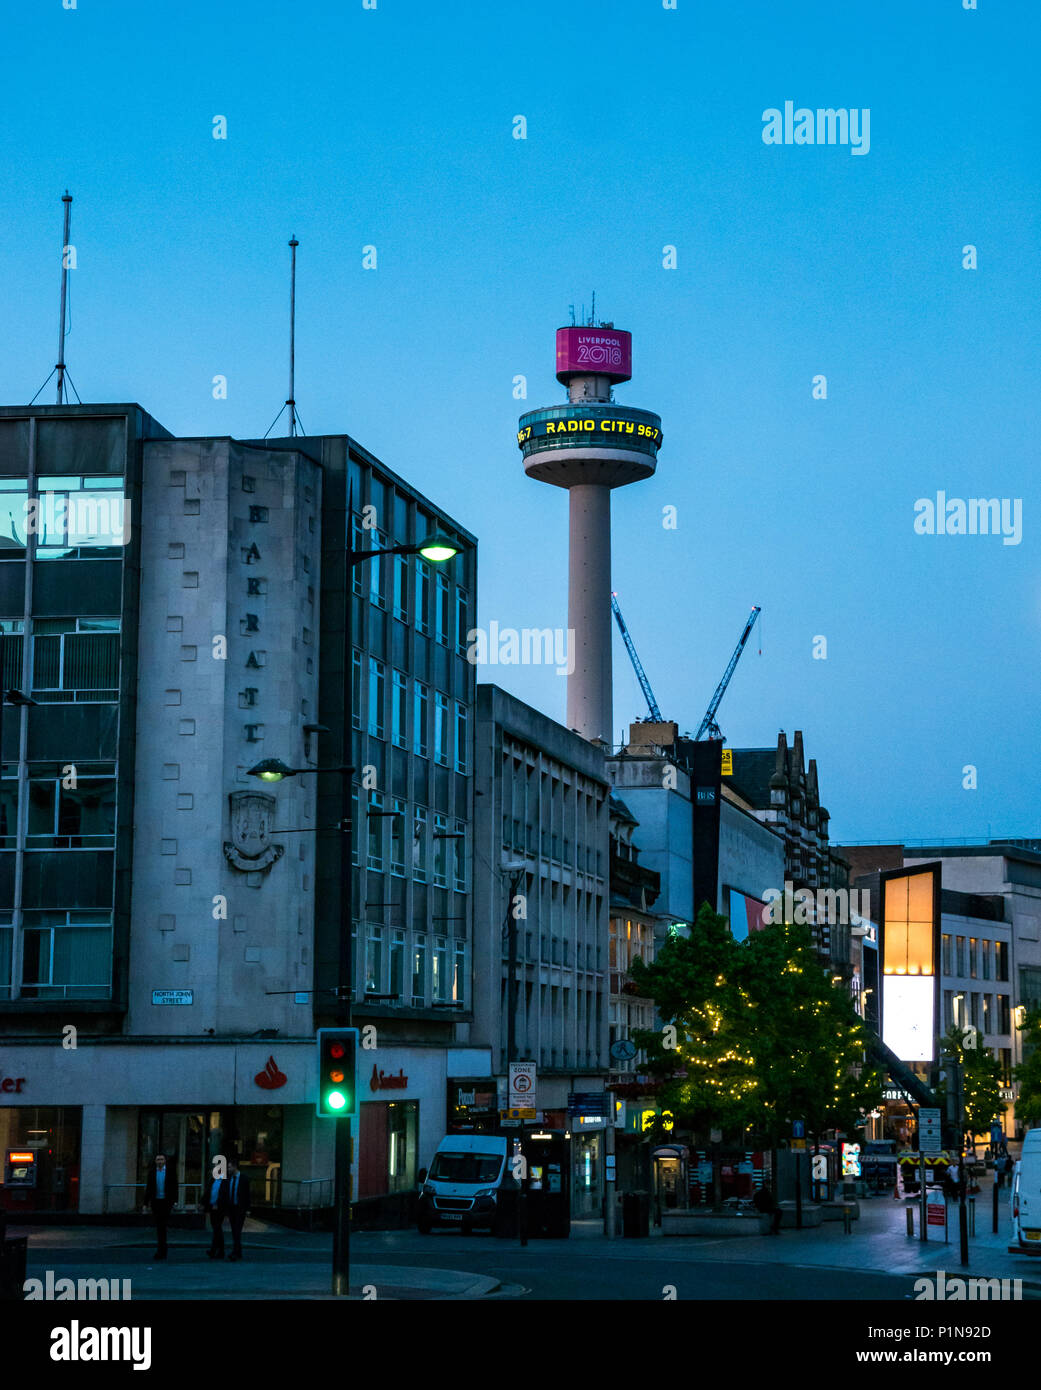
(727, 767)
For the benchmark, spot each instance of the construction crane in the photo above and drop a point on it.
(641, 675)
(709, 728)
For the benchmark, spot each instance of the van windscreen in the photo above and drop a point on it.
(465, 1167)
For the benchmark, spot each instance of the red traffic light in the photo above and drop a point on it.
(336, 1049)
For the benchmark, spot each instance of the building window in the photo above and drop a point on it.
(462, 611)
(441, 616)
(419, 970)
(377, 593)
(440, 728)
(374, 858)
(356, 689)
(373, 959)
(459, 973)
(974, 1010)
(420, 707)
(75, 659)
(972, 957)
(397, 963)
(355, 809)
(1001, 961)
(8, 815)
(359, 545)
(397, 839)
(67, 955)
(80, 518)
(69, 817)
(988, 1015)
(441, 851)
(1004, 1015)
(948, 1017)
(461, 764)
(945, 953)
(420, 849)
(401, 588)
(459, 857)
(399, 710)
(376, 689)
(422, 596)
(959, 943)
(440, 982)
(985, 959)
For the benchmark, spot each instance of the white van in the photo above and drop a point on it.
(1026, 1197)
(462, 1186)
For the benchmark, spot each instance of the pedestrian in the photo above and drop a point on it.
(160, 1195)
(215, 1206)
(952, 1180)
(235, 1202)
(764, 1203)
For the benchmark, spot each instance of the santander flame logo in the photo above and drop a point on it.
(270, 1078)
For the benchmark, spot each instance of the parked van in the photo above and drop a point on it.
(1026, 1196)
(462, 1186)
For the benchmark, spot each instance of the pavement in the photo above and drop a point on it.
(405, 1265)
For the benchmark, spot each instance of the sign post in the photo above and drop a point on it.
(929, 1142)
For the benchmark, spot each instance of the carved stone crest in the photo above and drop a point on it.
(250, 848)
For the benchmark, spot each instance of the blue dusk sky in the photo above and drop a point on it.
(394, 127)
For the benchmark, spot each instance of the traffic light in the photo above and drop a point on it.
(337, 1089)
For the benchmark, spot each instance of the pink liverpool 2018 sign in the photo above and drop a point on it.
(603, 351)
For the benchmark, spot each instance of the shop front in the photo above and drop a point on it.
(93, 1118)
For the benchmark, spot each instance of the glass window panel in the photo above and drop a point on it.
(420, 706)
(419, 968)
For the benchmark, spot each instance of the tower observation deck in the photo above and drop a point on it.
(589, 446)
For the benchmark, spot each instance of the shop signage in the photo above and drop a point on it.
(589, 1103)
(173, 996)
(270, 1079)
(9, 1084)
(382, 1081)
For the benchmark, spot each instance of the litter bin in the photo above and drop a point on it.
(636, 1215)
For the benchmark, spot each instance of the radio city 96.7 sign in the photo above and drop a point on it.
(612, 428)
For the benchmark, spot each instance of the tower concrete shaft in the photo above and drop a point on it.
(589, 704)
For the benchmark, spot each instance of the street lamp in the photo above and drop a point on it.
(436, 548)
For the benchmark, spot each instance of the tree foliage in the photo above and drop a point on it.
(981, 1079)
(762, 1035)
(1028, 1072)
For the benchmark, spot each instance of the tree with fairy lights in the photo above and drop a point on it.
(756, 1034)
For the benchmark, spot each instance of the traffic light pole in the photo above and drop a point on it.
(344, 1185)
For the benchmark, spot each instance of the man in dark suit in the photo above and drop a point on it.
(216, 1208)
(160, 1195)
(234, 1201)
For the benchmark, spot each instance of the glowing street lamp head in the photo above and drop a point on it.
(271, 770)
(438, 548)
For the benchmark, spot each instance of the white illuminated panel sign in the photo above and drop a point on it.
(907, 1016)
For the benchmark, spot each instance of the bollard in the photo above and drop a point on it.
(847, 1219)
(909, 1211)
(994, 1213)
(972, 1216)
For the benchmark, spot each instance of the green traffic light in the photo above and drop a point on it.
(336, 1100)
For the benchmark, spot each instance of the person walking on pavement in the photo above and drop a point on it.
(764, 1203)
(236, 1204)
(215, 1206)
(160, 1195)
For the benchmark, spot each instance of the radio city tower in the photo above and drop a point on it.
(589, 446)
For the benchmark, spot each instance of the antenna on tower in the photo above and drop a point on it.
(294, 418)
(592, 312)
(59, 366)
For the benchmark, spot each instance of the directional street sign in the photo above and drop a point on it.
(930, 1139)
